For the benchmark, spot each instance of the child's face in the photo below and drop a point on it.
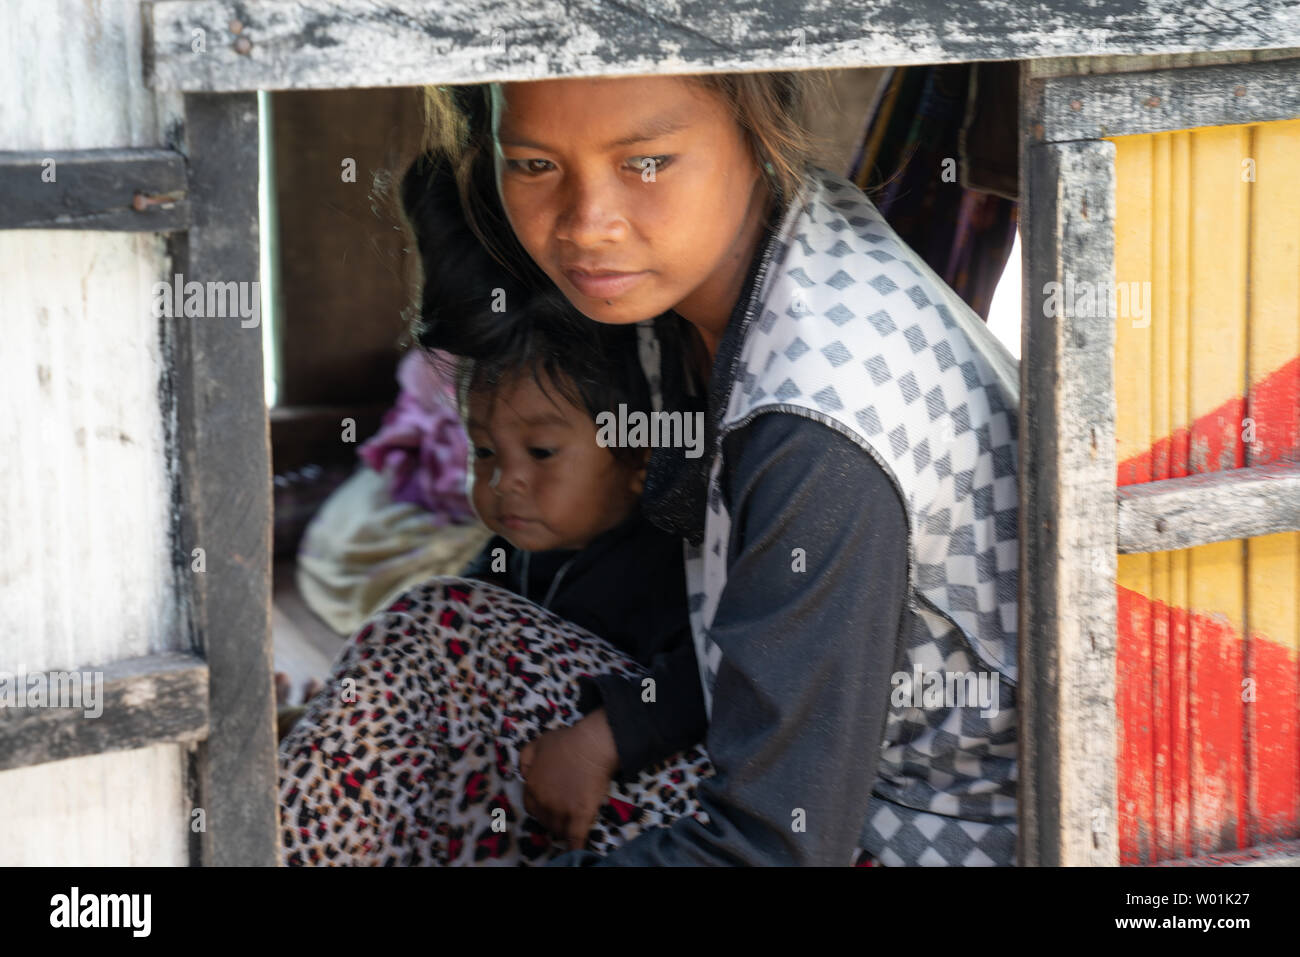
(537, 476)
(578, 197)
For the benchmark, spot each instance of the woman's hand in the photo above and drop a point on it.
(566, 776)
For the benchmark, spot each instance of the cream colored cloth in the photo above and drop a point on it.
(362, 549)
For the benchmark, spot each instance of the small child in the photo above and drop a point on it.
(570, 534)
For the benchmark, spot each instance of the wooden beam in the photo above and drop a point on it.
(125, 705)
(1278, 854)
(230, 45)
(1068, 813)
(224, 448)
(312, 435)
(136, 190)
(1212, 507)
(1156, 101)
(1081, 65)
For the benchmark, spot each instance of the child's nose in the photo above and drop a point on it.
(507, 480)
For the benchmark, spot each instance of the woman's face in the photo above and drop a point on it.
(650, 177)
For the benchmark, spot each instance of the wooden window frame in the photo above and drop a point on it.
(218, 696)
(1068, 611)
(215, 698)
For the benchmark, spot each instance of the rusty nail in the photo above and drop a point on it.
(140, 202)
(1153, 101)
(1239, 91)
(236, 26)
(1076, 105)
(1160, 525)
(1038, 131)
(243, 45)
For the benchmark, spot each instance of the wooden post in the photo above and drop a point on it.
(1067, 482)
(223, 436)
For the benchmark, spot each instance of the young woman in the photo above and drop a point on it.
(851, 530)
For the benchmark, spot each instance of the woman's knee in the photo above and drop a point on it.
(436, 627)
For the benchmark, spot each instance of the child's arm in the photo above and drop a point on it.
(654, 717)
(566, 773)
(567, 770)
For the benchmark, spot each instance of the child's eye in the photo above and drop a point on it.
(524, 167)
(482, 452)
(654, 163)
(539, 453)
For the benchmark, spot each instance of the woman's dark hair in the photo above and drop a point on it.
(499, 316)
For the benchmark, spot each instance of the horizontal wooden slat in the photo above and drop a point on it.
(94, 190)
(1281, 854)
(1098, 105)
(141, 701)
(1211, 507)
(228, 45)
(1036, 70)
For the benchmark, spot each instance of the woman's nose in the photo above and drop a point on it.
(591, 216)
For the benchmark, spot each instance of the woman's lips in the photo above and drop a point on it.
(603, 286)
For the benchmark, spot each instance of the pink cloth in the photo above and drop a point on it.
(421, 447)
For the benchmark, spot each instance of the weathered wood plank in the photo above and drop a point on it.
(226, 489)
(1276, 854)
(1041, 69)
(1156, 101)
(1211, 507)
(1272, 410)
(1067, 428)
(129, 704)
(316, 44)
(74, 80)
(86, 572)
(139, 191)
(119, 809)
(1217, 200)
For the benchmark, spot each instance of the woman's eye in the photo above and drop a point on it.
(652, 164)
(526, 167)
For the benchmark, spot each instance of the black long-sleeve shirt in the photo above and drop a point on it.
(627, 586)
(803, 686)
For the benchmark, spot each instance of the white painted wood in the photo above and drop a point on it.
(124, 808)
(72, 77)
(85, 571)
(85, 486)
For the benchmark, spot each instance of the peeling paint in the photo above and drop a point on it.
(355, 43)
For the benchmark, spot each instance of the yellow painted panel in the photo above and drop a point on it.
(1273, 562)
(1210, 218)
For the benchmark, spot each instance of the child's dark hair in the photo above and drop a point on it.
(499, 316)
(596, 373)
